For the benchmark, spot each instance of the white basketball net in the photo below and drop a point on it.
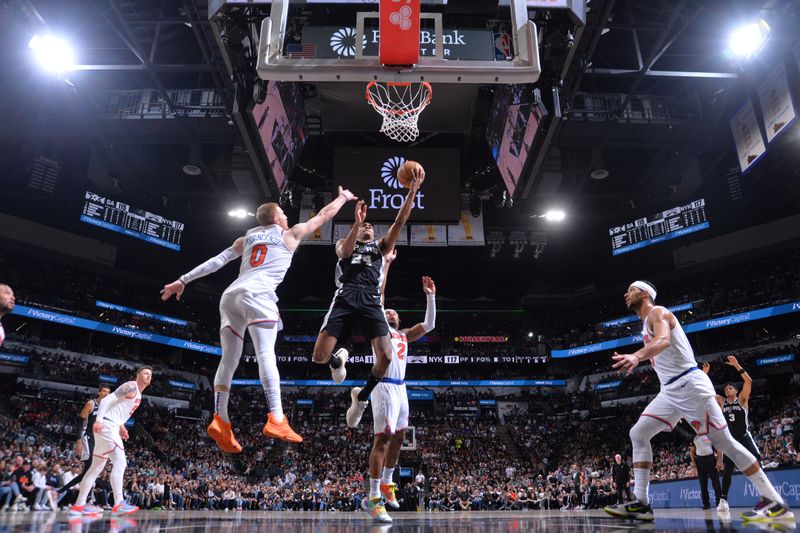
(400, 105)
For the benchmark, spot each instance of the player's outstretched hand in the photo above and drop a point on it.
(347, 194)
(428, 286)
(416, 181)
(625, 363)
(123, 433)
(391, 256)
(176, 287)
(361, 212)
(706, 367)
(732, 361)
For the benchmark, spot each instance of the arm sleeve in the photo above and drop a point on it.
(430, 313)
(210, 266)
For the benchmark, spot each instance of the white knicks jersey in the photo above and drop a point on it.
(676, 359)
(265, 260)
(119, 413)
(397, 368)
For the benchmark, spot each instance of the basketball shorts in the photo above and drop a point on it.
(356, 304)
(241, 308)
(389, 408)
(107, 441)
(692, 398)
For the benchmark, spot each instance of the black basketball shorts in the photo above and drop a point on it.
(356, 305)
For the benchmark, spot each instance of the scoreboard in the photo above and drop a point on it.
(663, 226)
(138, 223)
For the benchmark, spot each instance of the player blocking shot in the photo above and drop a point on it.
(390, 406)
(686, 392)
(359, 274)
(109, 434)
(250, 304)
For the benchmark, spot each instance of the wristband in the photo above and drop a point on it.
(742, 371)
(181, 280)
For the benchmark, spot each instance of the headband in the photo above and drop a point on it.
(646, 287)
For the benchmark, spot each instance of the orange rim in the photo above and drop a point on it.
(380, 107)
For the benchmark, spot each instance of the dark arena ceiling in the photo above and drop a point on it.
(644, 90)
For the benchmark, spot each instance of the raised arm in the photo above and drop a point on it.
(124, 392)
(390, 239)
(345, 247)
(418, 330)
(707, 368)
(209, 267)
(747, 387)
(298, 232)
(660, 319)
(387, 262)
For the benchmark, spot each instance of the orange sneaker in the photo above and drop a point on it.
(222, 433)
(388, 493)
(280, 430)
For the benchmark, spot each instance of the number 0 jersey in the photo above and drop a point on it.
(265, 260)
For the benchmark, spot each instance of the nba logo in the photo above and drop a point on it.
(696, 425)
(502, 47)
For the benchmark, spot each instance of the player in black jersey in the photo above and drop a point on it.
(85, 445)
(735, 406)
(358, 298)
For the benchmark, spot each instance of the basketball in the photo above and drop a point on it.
(406, 172)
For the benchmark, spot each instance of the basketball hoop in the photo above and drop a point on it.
(400, 105)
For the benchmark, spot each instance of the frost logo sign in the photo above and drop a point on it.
(381, 199)
(343, 42)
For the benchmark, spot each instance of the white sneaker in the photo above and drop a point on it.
(723, 505)
(356, 409)
(338, 374)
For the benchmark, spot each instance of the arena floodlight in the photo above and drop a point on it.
(745, 41)
(239, 213)
(555, 215)
(53, 53)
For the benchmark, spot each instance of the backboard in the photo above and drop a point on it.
(284, 57)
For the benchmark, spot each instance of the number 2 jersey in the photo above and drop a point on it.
(265, 260)
(397, 368)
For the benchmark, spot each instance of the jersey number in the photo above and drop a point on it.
(732, 417)
(358, 259)
(401, 350)
(258, 255)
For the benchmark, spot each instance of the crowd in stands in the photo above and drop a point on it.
(767, 280)
(522, 460)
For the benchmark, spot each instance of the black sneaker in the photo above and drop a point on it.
(767, 511)
(635, 510)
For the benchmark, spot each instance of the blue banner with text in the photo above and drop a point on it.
(686, 492)
(711, 323)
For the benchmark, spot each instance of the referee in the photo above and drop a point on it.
(704, 462)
